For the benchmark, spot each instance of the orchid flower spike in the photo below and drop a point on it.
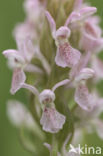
(82, 95)
(66, 55)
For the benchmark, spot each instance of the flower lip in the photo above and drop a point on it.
(52, 121)
(63, 32)
(46, 96)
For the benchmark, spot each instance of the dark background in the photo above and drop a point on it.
(11, 12)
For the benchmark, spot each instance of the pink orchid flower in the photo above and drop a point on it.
(82, 95)
(51, 120)
(66, 55)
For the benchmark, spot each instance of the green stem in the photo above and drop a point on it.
(54, 150)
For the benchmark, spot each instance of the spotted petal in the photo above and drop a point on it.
(51, 120)
(67, 56)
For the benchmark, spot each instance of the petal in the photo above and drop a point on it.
(86, 12)
(17, 80)
(94, 113)
(23, 30)
(15, 56)
(81, 64)
(90, 43)
(78, 4)
(31, 88)
(61, 83)
(51, 23)
(33, 69)
(67, 56)
(47, 96)
(26, 48)
(97, 66)
(83, 97)
(92, 28)
(84, 74)
(63, 32)
(51, 120)
(73, 17)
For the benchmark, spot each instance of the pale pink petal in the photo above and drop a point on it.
(91, 38)
(25, 29)
(84, 74)
(34, 10)
(48, 146)
(33, 69)
(29, 49)
(67, 56)
(94, 113)
(78, 4)
(26, 48)
(59, 84)
(63, 32)
(47, 96)
(73, 17)
(97, 66)
(86, 12)
(81, 64)
(51, 120)
(91, 27)
(31, 88)
(51, 23)
(83, 98)
(90, 43)
(14, 56)
(17, 80)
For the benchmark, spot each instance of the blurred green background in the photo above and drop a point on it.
(11, 12)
